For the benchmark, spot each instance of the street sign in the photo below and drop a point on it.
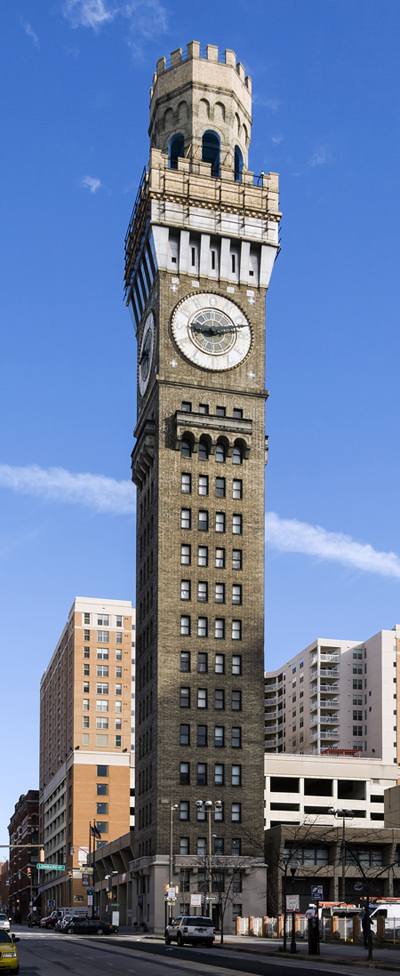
(50, 903)
(90, 900)
(86, 879)
(317, 893)
(171, 892)
(90, 891)
(211, 897)
(50, 867)
(115, 919)
(195, 901)
(292, 903)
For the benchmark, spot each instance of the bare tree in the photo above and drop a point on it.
(362, 855)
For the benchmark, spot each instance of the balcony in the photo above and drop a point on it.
(324, 673)
(325, 734)
(325, 720)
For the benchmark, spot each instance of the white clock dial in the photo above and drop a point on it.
(211, 331)
(146, 349)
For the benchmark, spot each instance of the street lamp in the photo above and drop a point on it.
(208, 805)
(292, 865)
(343, 815)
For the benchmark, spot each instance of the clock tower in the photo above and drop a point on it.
(199, 249)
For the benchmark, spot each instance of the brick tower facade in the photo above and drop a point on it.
(200, 249)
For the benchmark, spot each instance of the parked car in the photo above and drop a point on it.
(192, 929)
(62, 923)
(49, 922)
(33, 919)
(8, 952)
(4, 922)
(88, 926)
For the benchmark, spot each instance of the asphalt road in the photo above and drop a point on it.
(43, 953)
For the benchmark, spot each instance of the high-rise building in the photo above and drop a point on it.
(23, 877)
(86, 741)
(337, 695)
(200, 249)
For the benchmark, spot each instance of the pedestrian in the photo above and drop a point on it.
(366, 927)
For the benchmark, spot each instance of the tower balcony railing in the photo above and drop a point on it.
(324, 673)
(325, 720)
(324, 703)
(325, 734)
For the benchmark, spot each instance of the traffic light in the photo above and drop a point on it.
(29, 872)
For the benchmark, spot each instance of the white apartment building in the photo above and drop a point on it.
(301, 789)
(337, 695)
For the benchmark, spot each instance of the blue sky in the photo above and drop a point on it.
(76, 76)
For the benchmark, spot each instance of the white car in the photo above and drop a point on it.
(192, 929)
(4, 922)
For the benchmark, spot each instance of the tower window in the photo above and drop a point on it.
(220, 592)
(236, 701)
(184, 774)
(202, 592)
(220, 487)
(213, 261)
(186, 450)
(220, 558)
(186, 406)
(219, 631)
(202, 627)
(185, 698)
(203, 521)
(211, 151)
(237, 455)
(233, 260)
(201, 698)
(185, 660)
(203, 484)
(221, 412)
(203, 408)
(237, 524)
(219, 737)
(236, 629)
(237, 413)
(193, 257)
(203, 450)
(237, 664)
(237, 488)
(202, 774)
(185, 626)
(219, 774)
(185, 735)
(185, 555)
(186, 484)
(238, 165)
(176, 150)
(186, 518)
(203, 556)
(219, 698)
(185, 589)
(219, 664)
(202, 663)
(201, 735)
(236, 594)
(184, 810)
(220, 521)
(220, 453)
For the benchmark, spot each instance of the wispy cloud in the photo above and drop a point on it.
(276, 140)
(95, 491)
(89, 13)
(320, 157)
(29, 31)
(289, 535)
(91, 183)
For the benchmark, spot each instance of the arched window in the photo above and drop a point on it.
(220, 453)
(210, 153)
(237, 455)
(203, 450)
(176, 148)
(186, 447)
(238, 165)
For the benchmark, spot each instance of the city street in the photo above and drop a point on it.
(43, 953)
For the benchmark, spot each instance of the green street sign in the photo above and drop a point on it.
(50, 867)
(90, 891)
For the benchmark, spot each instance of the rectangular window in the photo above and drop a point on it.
(86, 618)
(203, 556)
(102, 705)
(185, 698)
(202, 663)
(102, 670)
(118, 706)
(219, 630)
(184, 774)
(236, 812)
(102, 788)
(203, 520)
(357, 730)
(219, 664)
(201, 698)
(237, 413)
(220, 488)
(118, 638)
(185, 735)
(202, 626)
(357, 684)
(236, 629)
(236, 849)
(185, 589)
(219, 737)
(184, 810)
(219, 850)
(220, 521)
(103, 620)
(185, 660)
(236, 558)
(357, 669)
(102, 688)
(186, 518)
(86, 687)
(184, 845)
(236, 701)
(237, 488)
(236, 738)
(102, 771)
(102, 636)
(357, 716)
(118, 723)
(219, 698)
(202, 774)
(220, 558)
(237, 524)
(101, 723)
(101, 740)
(220, 592)
(85, 721)
(357, 700)
(85, 704)
(202, 592)
(236, 775)
(201, 846)
(219, 770)
(185, 626)
(236, 594)
(102, 808)
(118, 621)
(201, 813)
(201, 735)
(86, 651)
(185, 555)
(102, 654)
(186, 483)
(118, 672)
(203, 408)
(221, 412)
(86, 669)
(237, 664)
(203, 484)
(86, 635)
(219, 814)
(186, 406)
(102, 826)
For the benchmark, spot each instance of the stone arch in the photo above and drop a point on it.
(245, 135)
(205, 447)
(204, 108)
(176, 149)
(168, 119)
(182, 113)
(243, 447)
(211, 147)
(219, 112)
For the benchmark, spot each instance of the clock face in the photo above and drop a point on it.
(146, 353)
(211, 331)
